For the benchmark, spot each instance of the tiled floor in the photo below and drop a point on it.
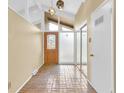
(58, 79)
(83, 68)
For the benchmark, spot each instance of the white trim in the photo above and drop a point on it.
(87, 79)
(75, 48)
(63, 31)
(23, 84)
(66, 63)
(40, 66)
(83, 23)
(43, 47)
(28, 79)
(59, 48)
(114, 46)
(91, 84)
(36, 70)
(82, 31)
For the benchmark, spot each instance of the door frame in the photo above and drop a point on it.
(80, 31)
(84, 25)
(81, 54)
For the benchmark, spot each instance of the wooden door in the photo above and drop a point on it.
(51, 47)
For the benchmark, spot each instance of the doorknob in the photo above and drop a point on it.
(92, 55)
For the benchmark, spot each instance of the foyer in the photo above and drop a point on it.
(61, 46)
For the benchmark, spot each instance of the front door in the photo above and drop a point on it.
(51, 47)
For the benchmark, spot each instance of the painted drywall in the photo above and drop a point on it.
(83, 16)
(85, 11)
(25, 50)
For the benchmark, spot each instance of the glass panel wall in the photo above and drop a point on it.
(84, 52)
(66, 48)
(81, 41)
(78, 39)
(83, 63)
(53, 26)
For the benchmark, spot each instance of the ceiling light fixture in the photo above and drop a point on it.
(51, 9)
(60, 4)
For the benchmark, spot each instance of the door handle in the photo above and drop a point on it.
(92, 55)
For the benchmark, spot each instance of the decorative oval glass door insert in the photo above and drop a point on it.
(51, 41)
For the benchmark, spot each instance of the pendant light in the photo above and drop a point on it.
(60, 4)
(51, 9)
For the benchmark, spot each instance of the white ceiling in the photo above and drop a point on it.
(33, 8)
(70, 6)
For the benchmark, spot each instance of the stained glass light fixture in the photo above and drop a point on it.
(51, 9)
(60, 4)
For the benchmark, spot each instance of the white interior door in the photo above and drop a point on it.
(101, 65)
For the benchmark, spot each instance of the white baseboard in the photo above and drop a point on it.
(23, 84)
(34, 73)
(88, 80)
(40, 66)
(36, 70)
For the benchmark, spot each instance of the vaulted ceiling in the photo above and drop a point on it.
(31, 9)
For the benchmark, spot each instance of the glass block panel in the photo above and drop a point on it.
(66, 48)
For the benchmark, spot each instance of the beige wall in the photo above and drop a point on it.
(82, 16)
(25, 50)
(85, 11)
